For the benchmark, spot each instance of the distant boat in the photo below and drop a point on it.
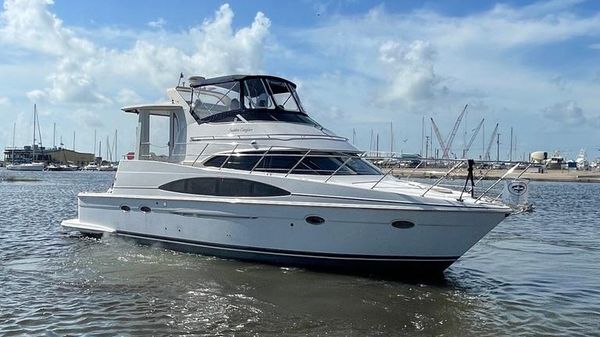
(90, 167)
(54, 167)
(107, 168)
(26, 167)
(582, 161)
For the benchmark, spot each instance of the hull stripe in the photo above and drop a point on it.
(291, 253)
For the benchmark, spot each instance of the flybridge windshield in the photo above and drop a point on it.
(250, 98)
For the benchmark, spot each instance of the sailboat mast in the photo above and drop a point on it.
(12, 156)
(116, 153)
(33, 145)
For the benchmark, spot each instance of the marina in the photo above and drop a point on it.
(308, 168)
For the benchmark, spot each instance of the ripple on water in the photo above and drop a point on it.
(535, 274)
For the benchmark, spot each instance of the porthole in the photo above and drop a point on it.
(145, 209)
(314, 220)
(125, 208)
(403, 224)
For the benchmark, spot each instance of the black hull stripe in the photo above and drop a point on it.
(318, 255)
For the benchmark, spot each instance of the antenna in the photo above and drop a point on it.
(180, 78)
(391, 139)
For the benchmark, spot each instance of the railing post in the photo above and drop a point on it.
(229, 156)
(517, 177)
(413, 170)
(260, 160)
(298, 162)
(201, 152)
(385, 175)
(442, 178)
(496, 182)
(339, 168)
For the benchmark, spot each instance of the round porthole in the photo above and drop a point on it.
(314, 220)
(145, 209)
(403, 224)
(125, 208)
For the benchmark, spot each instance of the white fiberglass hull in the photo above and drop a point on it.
(352, 238)
(26, 167)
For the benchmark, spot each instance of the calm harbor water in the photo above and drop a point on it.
(535, 274)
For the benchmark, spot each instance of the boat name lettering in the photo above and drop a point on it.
(241, 130)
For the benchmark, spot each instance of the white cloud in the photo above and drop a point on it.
(29, 24)
(87, 73)
(410, 72)
(158, 23)
(4, 101)
(567, 113)
(128, 96)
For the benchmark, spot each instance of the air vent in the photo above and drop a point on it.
(314, 220)
(125, 208)
(145, 209)
(403, 224)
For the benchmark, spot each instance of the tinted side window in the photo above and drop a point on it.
(225, 187)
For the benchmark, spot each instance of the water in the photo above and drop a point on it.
(535, 274)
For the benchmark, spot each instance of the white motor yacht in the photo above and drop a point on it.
(90, 167)
(26, 167)
(249, 175)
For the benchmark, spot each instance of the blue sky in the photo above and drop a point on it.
(533, 66)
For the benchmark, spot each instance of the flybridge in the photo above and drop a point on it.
(244, 98)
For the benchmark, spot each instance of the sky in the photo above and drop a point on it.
(362, 67)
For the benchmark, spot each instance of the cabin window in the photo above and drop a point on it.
(223, 187)
(316, 163)
(283, 95)
(256, 95)
(213, 99)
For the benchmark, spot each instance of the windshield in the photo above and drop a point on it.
(252, 98)
(212, 99)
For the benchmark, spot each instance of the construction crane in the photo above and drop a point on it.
(438, 135)
(489, 147)
(453, 133)
(466, 149)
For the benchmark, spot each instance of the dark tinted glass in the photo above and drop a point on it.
(226, 187)
(316, 163)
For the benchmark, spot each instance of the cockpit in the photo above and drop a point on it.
(246, 98)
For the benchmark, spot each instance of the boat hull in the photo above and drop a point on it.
(25, 167)
(351, 238)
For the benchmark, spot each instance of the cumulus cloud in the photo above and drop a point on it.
(85, 73)
(568, 113)
(29, 24)
(410, 70)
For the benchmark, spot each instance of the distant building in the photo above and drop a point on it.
(42, 154)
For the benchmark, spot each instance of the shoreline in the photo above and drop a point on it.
(548, 175)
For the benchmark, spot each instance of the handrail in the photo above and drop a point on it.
(229, 156)
(261, 158)
(414, 169)
(497, 181)
(201, 152)
(514, 179)
(338, 169)
(385, 175)
(298, 162)
(442, 177)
